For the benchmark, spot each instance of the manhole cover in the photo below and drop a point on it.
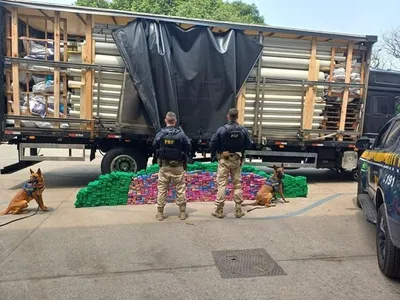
(246, 263)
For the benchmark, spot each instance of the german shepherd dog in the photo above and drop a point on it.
(32, 189)
(268, 191)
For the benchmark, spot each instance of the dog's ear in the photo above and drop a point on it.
(282, 166)
(39, 172)
(275, 167)
(31, 171)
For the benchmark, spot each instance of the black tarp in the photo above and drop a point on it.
(132, 114)
(196, 73)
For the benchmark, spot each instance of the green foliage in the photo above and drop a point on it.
(221, 10)
(93, 3)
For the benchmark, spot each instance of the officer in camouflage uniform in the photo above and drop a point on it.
(229, 142)
(172, 149)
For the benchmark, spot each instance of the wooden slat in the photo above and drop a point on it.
(346, 90)
(65, 38)
(308, 112)
(28, 46)
(362, 73)
(8, 34)
(332, 68)
(241, 105)
(8, 53)
(15, 70)
(45, 36)
(28, 50)
(88, 59)
(41, 17)
(57, 69)
(82, 108)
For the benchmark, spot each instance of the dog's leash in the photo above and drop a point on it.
(251, 209)
(12, 221)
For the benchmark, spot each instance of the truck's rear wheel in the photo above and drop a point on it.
(123, 160)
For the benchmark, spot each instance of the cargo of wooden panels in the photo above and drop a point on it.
(35, 89)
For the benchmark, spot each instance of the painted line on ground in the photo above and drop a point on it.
(302, 210)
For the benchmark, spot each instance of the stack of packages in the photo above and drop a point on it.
(339, 75)
(201, 185)
(141, 188)
(295, 186)
(38, 86)
(108, 190)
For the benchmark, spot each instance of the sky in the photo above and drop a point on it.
(367, 17)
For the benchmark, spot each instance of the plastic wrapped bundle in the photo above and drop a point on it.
(108, 190)
(37, 105)
(201, 187)
(141, 188)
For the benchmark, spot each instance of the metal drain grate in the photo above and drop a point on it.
(246, 263)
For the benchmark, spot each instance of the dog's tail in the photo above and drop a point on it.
(6, 211)
(258, 207)
(261, 207)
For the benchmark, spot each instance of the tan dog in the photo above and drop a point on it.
(268, 191)
(33, 189)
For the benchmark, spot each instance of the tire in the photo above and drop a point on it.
(123, 160)
(388, 255)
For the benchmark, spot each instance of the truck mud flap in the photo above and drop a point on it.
(368, 208)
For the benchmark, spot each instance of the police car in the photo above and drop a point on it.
(378, 193)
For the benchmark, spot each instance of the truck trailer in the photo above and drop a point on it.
(79, 78)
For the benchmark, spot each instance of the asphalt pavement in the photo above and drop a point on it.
(321, 244)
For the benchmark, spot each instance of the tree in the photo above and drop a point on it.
(391, 40)
(379, 59)
(386, 53)
(93, 3)
(221, 10)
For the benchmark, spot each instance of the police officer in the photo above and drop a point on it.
(172, 149)
(229, 142)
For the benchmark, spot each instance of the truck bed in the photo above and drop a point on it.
(307, 87)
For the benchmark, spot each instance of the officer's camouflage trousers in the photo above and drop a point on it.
(231, 166)
(165, 176)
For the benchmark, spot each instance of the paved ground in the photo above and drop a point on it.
(322, 243)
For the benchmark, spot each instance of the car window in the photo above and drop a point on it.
(380, 139)
(393, 135)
